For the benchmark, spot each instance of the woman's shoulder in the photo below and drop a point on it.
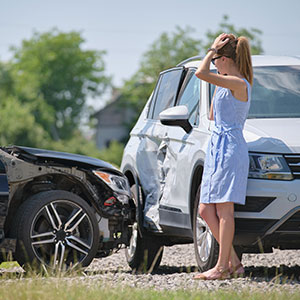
(247, 82)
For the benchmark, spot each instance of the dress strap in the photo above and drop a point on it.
(248, 90)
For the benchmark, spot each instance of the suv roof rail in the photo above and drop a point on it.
(188, 60)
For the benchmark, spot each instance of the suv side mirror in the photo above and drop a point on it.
(176, 116)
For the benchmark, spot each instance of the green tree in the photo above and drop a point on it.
(55, 75)
(165, 52)
(253, 34)
(17, 124)
(113, 153)
(170, 49)
(6, 81)
(43, 92)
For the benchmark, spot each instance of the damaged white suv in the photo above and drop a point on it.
(164, 160)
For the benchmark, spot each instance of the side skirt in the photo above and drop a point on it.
(174, 222)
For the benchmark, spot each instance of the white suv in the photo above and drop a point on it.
(164, 160)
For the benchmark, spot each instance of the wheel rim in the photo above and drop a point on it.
(61, 234)
(204, 239)
(133, 241)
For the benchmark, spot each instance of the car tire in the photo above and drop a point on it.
(56, 229)
(144, 253)
(206, 246)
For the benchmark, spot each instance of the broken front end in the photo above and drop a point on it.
(72, 202)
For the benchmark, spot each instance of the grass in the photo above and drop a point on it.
(9, 264)
(41, 289)
(72, 286)
(60, 289)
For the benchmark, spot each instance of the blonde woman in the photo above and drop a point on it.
(226, 165)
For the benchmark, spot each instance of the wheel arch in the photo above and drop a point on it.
(39, 184)
(196, 181)
(133, 179)
(131, 174)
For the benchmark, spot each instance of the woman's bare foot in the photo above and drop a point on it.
(216, 273)
(204, 275)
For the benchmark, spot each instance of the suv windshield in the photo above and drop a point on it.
(275, 92)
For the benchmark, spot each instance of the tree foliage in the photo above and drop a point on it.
(17, 123)
(165, 52)
(253, 34)
(44, 88)
(18, 126)
(43, 93)
(169, 50)
(54, 73)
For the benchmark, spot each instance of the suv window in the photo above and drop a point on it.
(211, 92)
(190, 96)
(275, 92)
(165, 93)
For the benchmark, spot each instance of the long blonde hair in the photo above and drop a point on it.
(238, 49)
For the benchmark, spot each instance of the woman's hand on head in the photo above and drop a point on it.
(220, 41)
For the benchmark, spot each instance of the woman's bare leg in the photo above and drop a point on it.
(225, 212)
(225, 215)
(209, 213)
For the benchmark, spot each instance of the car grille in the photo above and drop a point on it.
(258, 226)
(294, 164)
(254, 204)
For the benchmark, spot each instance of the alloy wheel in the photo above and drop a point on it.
(204, 239)
(61, 234)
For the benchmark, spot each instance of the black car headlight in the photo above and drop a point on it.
(268, 166)
(118, 184)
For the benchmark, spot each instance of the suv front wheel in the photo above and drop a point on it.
(143, 254)
(206, 246)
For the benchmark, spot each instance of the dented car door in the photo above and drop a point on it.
(152, 139)
(175, 153)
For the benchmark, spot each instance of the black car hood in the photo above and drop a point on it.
(65, 158)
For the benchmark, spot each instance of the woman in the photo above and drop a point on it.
(226, 165)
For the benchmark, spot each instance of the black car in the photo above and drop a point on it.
(61, 210)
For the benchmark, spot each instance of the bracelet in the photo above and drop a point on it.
(212, 49)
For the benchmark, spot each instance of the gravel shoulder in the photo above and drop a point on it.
(280, 269)
(277, 270)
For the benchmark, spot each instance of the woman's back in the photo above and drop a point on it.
(228, 111)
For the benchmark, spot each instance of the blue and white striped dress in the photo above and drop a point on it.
(227, 163)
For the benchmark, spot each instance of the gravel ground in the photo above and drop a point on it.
(279, 270)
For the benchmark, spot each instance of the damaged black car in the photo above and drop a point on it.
(60, 210)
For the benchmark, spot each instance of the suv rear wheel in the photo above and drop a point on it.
(206, 246)
(57, 229)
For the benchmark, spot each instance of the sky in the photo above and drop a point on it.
(126, 29)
